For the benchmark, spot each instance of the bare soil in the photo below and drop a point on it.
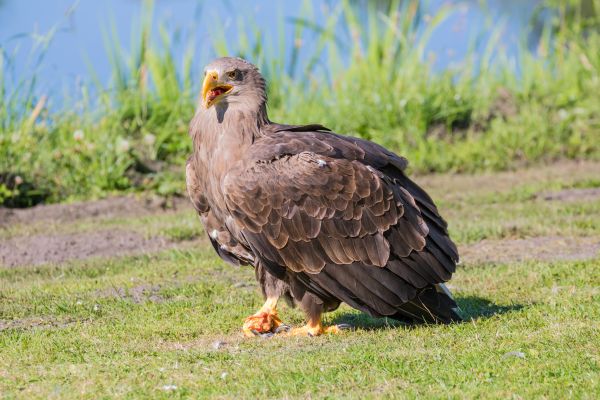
(137, 294)
(572, 195)
(36, 323)
(460, 186)
(544, 248)
(44, 249)
(125, 206)
(57, 248)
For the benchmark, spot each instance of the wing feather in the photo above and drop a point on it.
(340, 213)
(355, 212)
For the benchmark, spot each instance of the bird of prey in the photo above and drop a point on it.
(323, 218)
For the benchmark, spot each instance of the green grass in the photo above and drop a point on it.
(131, 327)
(131, 134)
(89, 346)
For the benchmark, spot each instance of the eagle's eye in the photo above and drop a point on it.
(231, 74)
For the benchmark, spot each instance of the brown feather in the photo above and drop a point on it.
(336, 216)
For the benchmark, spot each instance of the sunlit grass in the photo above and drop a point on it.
(169, 325)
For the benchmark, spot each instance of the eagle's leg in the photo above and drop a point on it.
(313, 308)
(264, 321)
(314, 327)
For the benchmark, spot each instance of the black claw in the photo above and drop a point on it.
(265, 335)
(282, 328)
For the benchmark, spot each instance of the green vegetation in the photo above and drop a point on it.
(480, 115)
(167, 325)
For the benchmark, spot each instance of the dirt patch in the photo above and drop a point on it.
(44, 249)
(544, 248)
(208, 343)
(36, 323)
(137, 294)
(572, 195)
(456, 187)
(126, 206)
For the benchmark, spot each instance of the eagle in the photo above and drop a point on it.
(321, 217)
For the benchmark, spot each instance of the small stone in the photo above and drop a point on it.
(517, 354)
(243, 284)
(218, 344)
(149, 139)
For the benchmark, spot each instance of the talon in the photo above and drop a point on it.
(282, 328)
(317, 330)
(264, 322)
(306, 330)
(260, 323)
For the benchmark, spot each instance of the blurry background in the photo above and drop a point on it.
(75, 32)
(95, 97)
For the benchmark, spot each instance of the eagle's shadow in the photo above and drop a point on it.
(472, 308)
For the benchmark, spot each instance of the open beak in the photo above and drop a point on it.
(213, 90)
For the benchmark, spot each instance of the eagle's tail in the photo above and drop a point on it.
(433, 304)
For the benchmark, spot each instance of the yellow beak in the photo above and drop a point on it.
(213, 90)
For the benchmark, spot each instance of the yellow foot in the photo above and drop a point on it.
(262, 322)
(316, 330)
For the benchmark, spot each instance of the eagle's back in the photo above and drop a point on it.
(338, 216)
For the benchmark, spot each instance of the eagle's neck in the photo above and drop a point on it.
(221, 136)
(228, 124)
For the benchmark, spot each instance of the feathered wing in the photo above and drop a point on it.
(339, 215)
(224, 243)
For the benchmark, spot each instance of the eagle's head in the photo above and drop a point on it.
(233, 82)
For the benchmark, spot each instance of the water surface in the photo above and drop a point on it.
(77, 45)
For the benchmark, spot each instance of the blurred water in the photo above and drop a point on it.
(78, 41)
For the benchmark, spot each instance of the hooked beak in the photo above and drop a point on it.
(213, 90)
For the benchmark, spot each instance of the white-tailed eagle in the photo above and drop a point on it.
(323, 218)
